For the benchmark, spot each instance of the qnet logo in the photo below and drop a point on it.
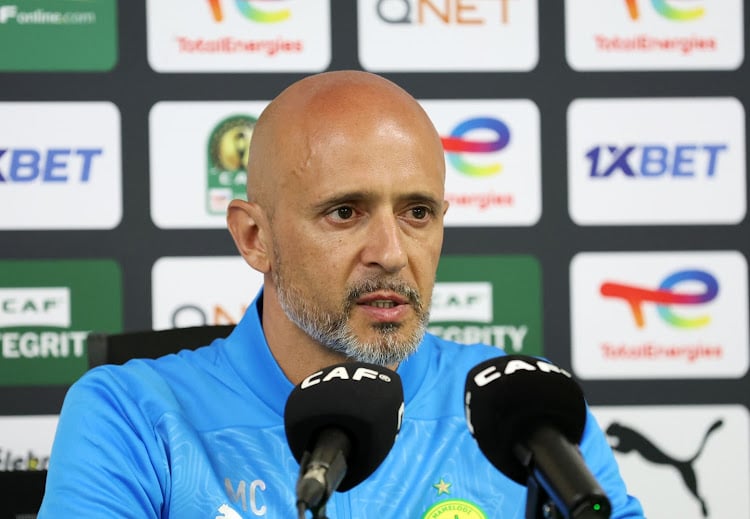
(493, 160)
(250, 9)
(659, 314)
(448, 35)
(651, 161)
(222, 290)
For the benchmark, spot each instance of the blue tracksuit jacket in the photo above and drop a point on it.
(200, 434)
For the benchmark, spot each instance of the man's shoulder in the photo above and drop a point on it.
(142, 379)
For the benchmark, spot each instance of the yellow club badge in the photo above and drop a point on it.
(454, 509)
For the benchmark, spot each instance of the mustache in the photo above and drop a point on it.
(360, 288)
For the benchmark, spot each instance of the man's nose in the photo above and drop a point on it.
(384, 245)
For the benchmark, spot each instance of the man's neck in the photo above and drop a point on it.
(296, 353)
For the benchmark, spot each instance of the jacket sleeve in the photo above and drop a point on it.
(601, 461)
(106, 459)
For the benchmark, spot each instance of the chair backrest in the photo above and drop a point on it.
(22, 492)
(118, 348)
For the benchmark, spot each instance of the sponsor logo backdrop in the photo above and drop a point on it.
(596, 167)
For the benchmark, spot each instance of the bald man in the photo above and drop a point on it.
(344, 218)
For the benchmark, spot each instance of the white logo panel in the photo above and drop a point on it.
(219, 291)
(243, 36)
(659, 315)
(656, 161)
(493, 160)
(180, 132)
(26, 442)
(60, 166)
(686, 461)
(654, 34)
(453, 35)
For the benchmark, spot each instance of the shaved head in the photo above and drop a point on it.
(310, 115)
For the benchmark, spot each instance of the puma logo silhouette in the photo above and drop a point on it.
(627, 440)
(227, 512)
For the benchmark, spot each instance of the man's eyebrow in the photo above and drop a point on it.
(341, 199)
(360, 196)
(423, 198)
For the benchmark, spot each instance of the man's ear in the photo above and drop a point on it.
(246, 221)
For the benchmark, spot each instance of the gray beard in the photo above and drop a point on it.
(333, 331)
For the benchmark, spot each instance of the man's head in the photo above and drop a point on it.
(344, 215)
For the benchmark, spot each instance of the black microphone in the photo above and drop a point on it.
(341, 423)
(528, 416)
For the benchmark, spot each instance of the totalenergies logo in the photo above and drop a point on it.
(456, 145)
(666, 9)
(665, 296)
(249, 10)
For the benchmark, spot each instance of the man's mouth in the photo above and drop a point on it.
(382, 299)
(381, 303)
(384, 307)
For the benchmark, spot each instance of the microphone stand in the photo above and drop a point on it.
(317, 513)
(552, 493)
(539, 504)
(321, 472)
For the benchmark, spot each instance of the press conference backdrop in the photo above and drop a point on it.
(596, 170)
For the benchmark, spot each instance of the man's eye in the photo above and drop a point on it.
(420, 212)
(344, 213)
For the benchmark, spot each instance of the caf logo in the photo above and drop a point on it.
(227, 161)
(454, 509)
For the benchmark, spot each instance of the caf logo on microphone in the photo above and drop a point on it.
(342, 373)
(492, 372)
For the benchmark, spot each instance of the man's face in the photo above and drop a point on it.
(357, 233)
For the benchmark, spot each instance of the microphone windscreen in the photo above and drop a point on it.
(507, 398)
(363, 400)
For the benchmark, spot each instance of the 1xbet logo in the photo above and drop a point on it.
(457, 144)
(251, 12)
(55, 165)
(668, 9)
(687, 160)
(665, 296)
